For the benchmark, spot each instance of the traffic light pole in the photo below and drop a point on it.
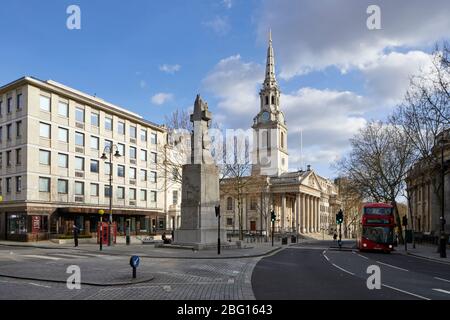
(273, 231)
(340, 236)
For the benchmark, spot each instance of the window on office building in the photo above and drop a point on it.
(63, 109)
(44, 130)
(108, 123)
(44, 103)
(44, 157)
(79, 164)
(63, 135)
(95, 119)
(63, 186)
(44, 184)
(79, 115)
(121, 127)
(63, 160)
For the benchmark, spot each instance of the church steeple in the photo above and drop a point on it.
(270, 80)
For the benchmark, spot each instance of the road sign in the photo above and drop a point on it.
(134, 261)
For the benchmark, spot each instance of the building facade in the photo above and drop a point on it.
(52, 174)
(303, 201)
(424, 183)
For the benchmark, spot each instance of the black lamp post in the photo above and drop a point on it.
(110, 150)
(442, 240)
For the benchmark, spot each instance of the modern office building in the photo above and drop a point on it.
(52, 174)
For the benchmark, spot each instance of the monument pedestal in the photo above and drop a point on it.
(200, 195)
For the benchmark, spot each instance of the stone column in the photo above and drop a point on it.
(306, 199)
(283, 212)
(311, 214)
(298, 222)
(303, 212)
(318, 215)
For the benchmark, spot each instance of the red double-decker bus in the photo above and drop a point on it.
(376, 229)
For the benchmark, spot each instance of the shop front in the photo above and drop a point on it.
(23, 226)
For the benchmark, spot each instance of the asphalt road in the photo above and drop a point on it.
(316, 271)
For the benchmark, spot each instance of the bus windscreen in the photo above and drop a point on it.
(378, 211)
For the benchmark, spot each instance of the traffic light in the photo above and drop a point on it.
(273, 216)
(217, 211)
(404, 221)
(339, 217)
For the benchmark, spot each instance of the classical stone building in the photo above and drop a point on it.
(303, 201)
(52, 174)
(424, 188)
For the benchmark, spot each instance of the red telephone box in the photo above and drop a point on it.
(105, 232)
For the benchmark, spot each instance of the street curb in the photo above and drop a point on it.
(150, 256)
(427, 258)
(87, 283)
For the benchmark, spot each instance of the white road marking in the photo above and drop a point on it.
(390, 265)
(343, 269)
(403, 291)
(38, 285)
(68, 255)
(442, 279)
(360, 255)
(328, 259)
(442, 290)
(41, 257)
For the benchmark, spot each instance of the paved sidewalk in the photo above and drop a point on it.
(424, 251)
(250, 250)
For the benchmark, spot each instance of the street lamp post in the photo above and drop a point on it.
(101, 212)
(442, 240)
(110, 151)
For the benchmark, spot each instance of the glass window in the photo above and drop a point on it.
(9, 105)
(44, 184)
(143, 174)
(79, 115)
(94, 166)
(153, 196)
(107, 168)
(378, 210)
(63, 186)
(1, 134)
(63, 135)
(121, 148)
(174, 197)
(120, 171)
(44, 103)
(154, 157)
(229, 221)
(132, 194)
(44, 157)
(383, 235)
(175, 174)
(121, 127)
(95, 119)
(132, 153)
(79, 139)
(8, 185)
(17, 223)
(108, 124)
(153, 138)
(63, 109)
(18, 184)
(108, 144)
(132, 173)
(143, 155)
(132, 132)
(121, 193)
(63, 160)
(19, 128)
(44, 130)
(19, 156)
(19, 101)
(107, 192)
(153, 176)
(144, 135)
(8, 131)
(94, 189)
(143, 195)
(8, 158)
(95, 143)
(79, 188)
(79, 164)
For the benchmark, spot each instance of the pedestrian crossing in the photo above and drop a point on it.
(57, 256)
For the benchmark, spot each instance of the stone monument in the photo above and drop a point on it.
(200, 188)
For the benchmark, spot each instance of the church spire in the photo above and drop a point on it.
(270, 80)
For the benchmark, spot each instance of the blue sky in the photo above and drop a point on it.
(334, 73)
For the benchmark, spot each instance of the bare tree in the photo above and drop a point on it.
(380, 158)
(352, 201)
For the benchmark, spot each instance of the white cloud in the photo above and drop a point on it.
(312, 35)
(170, 68)
(227, 3)
(328, 118)
(236, 83)
(219, 25)
(161, 98)
(388, 77)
